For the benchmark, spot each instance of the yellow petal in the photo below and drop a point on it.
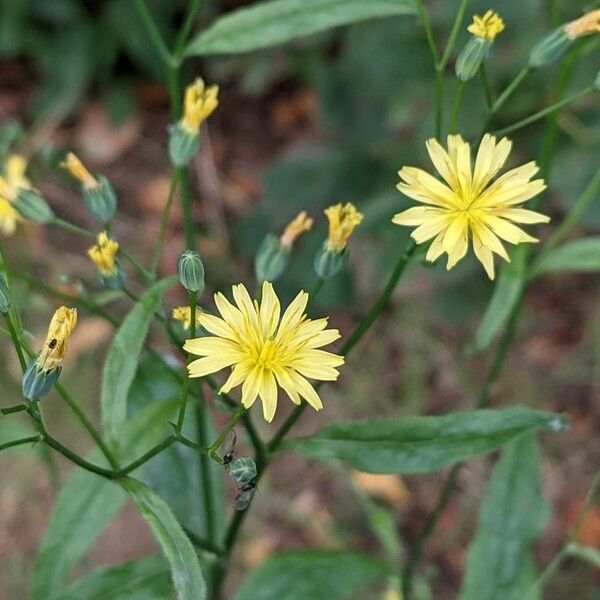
(268, 395)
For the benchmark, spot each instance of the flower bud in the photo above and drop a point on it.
(550, 48)
(183, 314)
(329, 262)
(243, 470)
(183, 145)
(32, 206)
(4, 296)
(100, 200)
(104, 256)
(469, 60)
(271, 259)
(38, 383)
(191, 271)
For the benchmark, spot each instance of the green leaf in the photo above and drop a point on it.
(504, 299)
(423, 444)
(314, 574)
(279, 21)
(185, 569)
(91, 502)
(122, 359)
(143, 579)
(579, 256)
(513, 514)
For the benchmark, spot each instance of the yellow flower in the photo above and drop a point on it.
(14, 178)
(486, 27)
(104, 254)
(266, 351)
(78, 171)
(469, 204)
(61, 326)
(295, 229)
(342, 222)
(586, 25)
(200, 102)
(184, 314)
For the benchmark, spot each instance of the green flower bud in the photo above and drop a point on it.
(243, 470)
(32, 206)
(4, 296)
(329, 262)
(100, 199)
(112, 282)
(469, 60)
(38, 383)
(183, 145)
(271, 259)
(550, 48)
(191, 271)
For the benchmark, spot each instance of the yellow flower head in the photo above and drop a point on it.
(295, 229)
(586, 25)
(184, 315)
(470, 204)
(487, 27)
(60, 329)
(343, 220)
(265, 349)
(14, 178)
(104, 254)
(199, 103)
(78, 171)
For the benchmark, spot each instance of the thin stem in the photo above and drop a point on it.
(487, 89)
(186, 383)
(317, 288)
(16, 340)
(87, 425)
(168, 441)
(428, 31)
(439, 104)
(202, 543)
(555, 564)
(449, 487)
(577, 211)
(164, 220)
(32, 439)
(186, 207)
(545, 112)
(214, 447)
(458, 21)
(185, 31)
(154, 33)
(458, 95)
(9, 410)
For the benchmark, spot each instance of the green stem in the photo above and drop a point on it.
(32, 439)
(186, 207)
(555, 564)
(545, 112)
(154, 33)
(16, 340)
(9, 410)
(487, 89)
(168, 441)
(449, 487)
(164, 220)
(185, 31)
(458, 21)
(439, 104)
(214, 447)
(428, 31)
(87, 424)
(186, 383)
(577, 211)
(458, 95)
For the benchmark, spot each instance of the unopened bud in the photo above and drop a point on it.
(191, 271)
(32, 206)
(243, 470)
(37, 383)
(470, 58)
(183, 145)
(271, 259)
(550, 48)
(4, 296)
(100, 200)
(329, 262)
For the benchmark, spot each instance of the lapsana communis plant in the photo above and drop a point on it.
(263, 343)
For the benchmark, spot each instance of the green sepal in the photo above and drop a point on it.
(469, 60)
(271, 259)
(101, 200)
(37, 384)
(183, 145)
(329, 263)
(33, 207)
(550, 48)
(190, 270)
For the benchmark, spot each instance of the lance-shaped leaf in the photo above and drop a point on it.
(579, 256)
(123, 355)
(513, 514)
(279, 21)
(314, 575)
(185, 569)
(423, 444)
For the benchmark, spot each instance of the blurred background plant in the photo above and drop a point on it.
(324, 119)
